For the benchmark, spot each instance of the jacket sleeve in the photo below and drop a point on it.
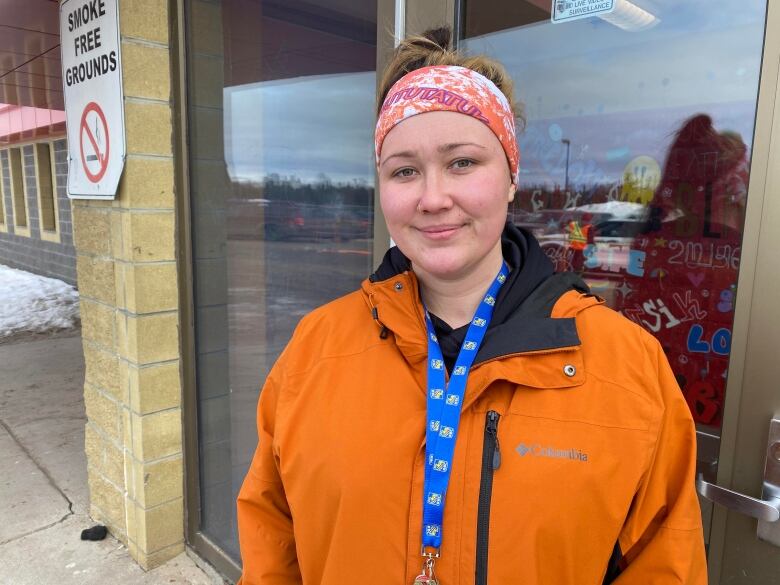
(265, 526)
(662, 540)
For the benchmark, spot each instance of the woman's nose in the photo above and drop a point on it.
(435, 195)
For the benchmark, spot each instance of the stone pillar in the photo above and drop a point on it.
(127, 278)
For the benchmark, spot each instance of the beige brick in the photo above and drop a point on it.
(146, 71)
(128, 461)
(148, 128)
(157, 435)
(158, 337)
(147, 339)
(144, 19)
(92, 230)
(160, 526)
(109, 499)
(93, 446)
(131, 512)
(206, 18)
(97, 322)
(127, 425)
(102, 370)
(151, 288)
(149, 236)
(96, 279)
(102, 412)
(126, 336)
(147, 183)
(159, 482)
(207, 80)
(114, 465)
(154, 388)
(153, 560)
(117, 236)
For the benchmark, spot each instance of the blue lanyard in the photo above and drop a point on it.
(444, 404)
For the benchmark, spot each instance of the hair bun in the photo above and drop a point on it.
(440, 37)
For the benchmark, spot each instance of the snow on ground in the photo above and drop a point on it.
(36, 304)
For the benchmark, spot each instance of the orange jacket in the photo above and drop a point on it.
(596, 452)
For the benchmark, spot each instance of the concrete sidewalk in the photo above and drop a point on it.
(44, 499)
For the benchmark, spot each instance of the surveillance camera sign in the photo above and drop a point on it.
(566, 10)
(94, 112)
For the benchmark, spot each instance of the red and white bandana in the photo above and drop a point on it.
(450, 88)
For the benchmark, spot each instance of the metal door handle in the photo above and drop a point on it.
(766, 510)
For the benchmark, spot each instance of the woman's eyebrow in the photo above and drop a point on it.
(402, 154)
(454, 145)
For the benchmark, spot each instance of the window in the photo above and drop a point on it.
(47, 191)
(282, 192)
(3, 221)
(18, 191)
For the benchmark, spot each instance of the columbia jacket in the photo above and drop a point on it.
(574, 461)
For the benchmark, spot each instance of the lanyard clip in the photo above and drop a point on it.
(429, 552)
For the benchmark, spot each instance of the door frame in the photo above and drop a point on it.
(743, 442)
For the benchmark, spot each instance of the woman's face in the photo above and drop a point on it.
(444, 187)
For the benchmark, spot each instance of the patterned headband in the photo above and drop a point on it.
(450, 88)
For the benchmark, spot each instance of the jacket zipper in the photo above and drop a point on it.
(491, 460)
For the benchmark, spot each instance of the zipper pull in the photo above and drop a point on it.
(492, 428)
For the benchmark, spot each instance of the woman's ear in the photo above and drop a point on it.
(512, 191)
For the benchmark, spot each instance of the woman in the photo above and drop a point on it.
(557, 447)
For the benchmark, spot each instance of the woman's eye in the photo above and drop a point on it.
(405, 172)
(462, 163)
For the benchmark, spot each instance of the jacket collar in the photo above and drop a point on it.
(532, 327)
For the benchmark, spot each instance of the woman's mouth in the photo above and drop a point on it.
(440, 232)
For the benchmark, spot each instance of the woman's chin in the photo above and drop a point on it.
(441, 268)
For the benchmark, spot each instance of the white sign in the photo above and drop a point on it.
(94, 112)
(566, 10)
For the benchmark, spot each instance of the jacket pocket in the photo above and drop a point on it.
(491, 460)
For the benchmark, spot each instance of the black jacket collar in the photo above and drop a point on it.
(521, 319)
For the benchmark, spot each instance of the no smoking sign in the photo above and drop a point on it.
(94, 102)
(94, 142)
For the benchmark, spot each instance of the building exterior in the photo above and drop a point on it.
(248, 198)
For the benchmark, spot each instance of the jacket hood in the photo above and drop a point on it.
(523, 317)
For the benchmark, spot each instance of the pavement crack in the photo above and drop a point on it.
(44, 471)
(42, 528)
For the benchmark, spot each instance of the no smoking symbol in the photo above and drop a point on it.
(94, 142)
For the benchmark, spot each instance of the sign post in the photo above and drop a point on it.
(94, 101)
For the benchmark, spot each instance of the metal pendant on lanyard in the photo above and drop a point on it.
(444, 407)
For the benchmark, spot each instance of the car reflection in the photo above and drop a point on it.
(280, 221)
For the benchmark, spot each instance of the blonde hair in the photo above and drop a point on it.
(433, 47)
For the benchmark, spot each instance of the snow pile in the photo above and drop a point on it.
(33, 303)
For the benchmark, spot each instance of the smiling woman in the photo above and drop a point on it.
(441, 417)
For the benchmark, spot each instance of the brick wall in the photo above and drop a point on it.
(32, 253)
(127, 276)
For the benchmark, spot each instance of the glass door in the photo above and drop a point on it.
(636, 161)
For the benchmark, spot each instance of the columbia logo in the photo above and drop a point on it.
(537, 450)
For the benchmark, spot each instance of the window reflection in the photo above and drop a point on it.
(635, 162)
(281, 102)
